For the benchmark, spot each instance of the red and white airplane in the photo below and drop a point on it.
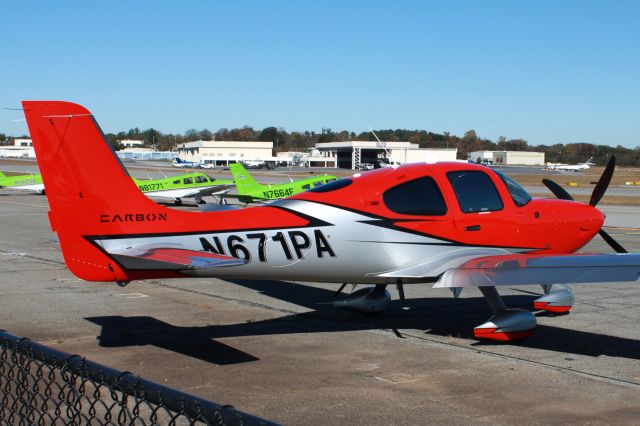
(450, 224)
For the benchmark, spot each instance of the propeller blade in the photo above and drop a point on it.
(603, 183)
(613, 243)
(557, 190)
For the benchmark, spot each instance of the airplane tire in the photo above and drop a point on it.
(177, 202)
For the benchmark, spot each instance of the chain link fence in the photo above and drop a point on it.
(42, 386)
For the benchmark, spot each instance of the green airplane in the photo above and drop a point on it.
(250, 191)
(31, 183)
(189, 185)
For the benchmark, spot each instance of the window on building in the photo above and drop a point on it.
(475, 191)
(417, 197)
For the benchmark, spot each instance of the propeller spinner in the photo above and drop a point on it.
(596, 196)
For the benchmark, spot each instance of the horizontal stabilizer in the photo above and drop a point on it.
(154, 256)
(523, 269)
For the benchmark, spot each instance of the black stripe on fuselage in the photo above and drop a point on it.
(313, 222)
(389, 223)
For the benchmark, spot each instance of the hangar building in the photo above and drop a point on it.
(348, 155)
(508, 158)
(145, 154)
(220, 153)
(360, 154)
(21, 148)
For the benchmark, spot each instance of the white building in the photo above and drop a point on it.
(221, 153)
(146, 154)
(130, 143)
(508, 158)
(21, 148)
(308, 159)
(359, 154)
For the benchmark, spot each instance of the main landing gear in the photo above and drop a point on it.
(557, 301)
(515, 324)
(506, 324)
(368, 300)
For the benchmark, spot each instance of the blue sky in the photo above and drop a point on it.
(545, 71)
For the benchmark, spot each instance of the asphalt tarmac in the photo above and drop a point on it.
(279, 350)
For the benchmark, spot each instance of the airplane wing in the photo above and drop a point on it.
(171, 257)
(524, 269)
(208, 190)
(189, 192)
(249, 198)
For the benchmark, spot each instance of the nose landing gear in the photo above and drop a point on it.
(558, 301)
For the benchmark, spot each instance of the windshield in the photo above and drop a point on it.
(519, 195)
(332, 186)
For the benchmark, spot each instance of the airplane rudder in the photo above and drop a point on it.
(243, 179)
(70, 147)
(82, 174)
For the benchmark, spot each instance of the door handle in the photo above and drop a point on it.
(472, 228)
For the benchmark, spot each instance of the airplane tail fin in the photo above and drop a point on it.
(245, 183)
(90, 192)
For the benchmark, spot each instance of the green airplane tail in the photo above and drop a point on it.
(245, 183)
(2, 175)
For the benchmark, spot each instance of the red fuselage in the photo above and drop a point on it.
(549, 225)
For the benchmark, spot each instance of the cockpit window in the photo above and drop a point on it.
(332, 186)
(418, 197)
(519, 195)
(475, 191)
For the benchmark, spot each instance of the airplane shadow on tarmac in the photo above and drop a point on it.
(435, 316)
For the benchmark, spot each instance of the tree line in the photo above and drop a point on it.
(303, 141)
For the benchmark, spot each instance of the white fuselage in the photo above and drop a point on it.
(32, 187)
(573, 168)
(344, 246)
